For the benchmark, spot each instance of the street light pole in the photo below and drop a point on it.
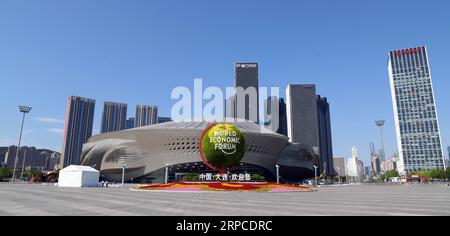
(24, 110)
(23, 163)
(315, 174)
(124, 165)
(278, 173)
(380, 123)
(339, 175)
(166, 176)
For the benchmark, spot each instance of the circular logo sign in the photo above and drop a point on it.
(222, 146)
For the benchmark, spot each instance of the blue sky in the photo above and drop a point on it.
(138, 51)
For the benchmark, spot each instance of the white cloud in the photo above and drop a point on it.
(56, 130)
(49, 120)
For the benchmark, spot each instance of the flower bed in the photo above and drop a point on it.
(224, 186)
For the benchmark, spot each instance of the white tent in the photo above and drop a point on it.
(78, 176)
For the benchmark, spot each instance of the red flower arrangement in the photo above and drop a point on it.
(224, 186)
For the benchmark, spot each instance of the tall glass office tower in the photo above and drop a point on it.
(325, 139)
(416, 120)
(302, 115)
(146, 115)
(78, 129)
(247, 100)
(114, 117)
(276, 108)
(130, 123)
(308, 122)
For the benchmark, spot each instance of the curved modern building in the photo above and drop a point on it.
(147, 150)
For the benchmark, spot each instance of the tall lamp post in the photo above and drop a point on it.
(380, 123)
(124, 165)
(278, 173)
(23, 163)
(315, 173)
(339, 174)
(166, 175)
(24, 110)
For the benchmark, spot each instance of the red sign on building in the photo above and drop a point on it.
(407, 51)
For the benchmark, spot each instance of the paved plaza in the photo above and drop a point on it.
(37, 199)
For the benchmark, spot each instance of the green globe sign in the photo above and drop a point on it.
(222, 146)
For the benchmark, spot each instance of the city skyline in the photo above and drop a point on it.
(362, 77)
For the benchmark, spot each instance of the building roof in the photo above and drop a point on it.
(245, 126)
(75, 168)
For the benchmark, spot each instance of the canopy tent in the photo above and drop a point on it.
(78, 176)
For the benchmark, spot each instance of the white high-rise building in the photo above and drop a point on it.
(355, 152)
(352, 166)
(416, 121)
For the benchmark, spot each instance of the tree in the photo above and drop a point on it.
(434, 173)
(32, 173)
(437, 174)
(390, 174)
(5, 173)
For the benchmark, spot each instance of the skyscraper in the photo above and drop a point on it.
(230, 107)
(360, 170)
(355, 152)
(376, 164)
(373, 151)
(78, 128)
(278, 118)
(247, 98)
(301, 104)
(416, 121)
(375, 160)
(308, 122)
(339, 166)
(130, 123)
(325, 141)
(352, 165)
(3, 151)
(283, 118)
(51, 161)
(162, 119)
(301, 107)
(146, 115)
(114, 117)
(368, 174)
(10, 156)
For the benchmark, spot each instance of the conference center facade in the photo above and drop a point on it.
(148, 152)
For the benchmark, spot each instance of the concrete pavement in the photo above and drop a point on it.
(36, 199)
